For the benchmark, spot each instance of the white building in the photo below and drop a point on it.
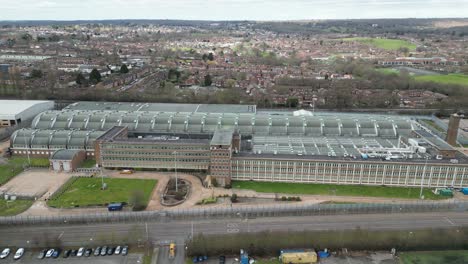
(13, 112)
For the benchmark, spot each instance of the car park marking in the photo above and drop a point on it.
(61, 234)
(450, 221)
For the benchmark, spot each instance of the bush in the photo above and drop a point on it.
(179, 196)
(214, 182)
(234, 198)
(137, 200)
(284, 198)
(228, 186)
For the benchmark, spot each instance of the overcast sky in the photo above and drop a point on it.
(228, 9)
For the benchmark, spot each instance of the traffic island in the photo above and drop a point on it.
(176, 193)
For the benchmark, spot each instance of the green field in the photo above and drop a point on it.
(339, 190)
(388, 70)
(459, 79)
(15, 166)
(435, 257)
(79, 192)
(387, 44)
(8, 208)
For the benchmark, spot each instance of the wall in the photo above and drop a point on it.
(349, 172)
(156, 155)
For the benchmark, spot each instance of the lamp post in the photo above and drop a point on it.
(27, 147)
(175, 170)
(422, 179)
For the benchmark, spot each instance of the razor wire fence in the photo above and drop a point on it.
(244, 212)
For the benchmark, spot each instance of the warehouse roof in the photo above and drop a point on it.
(162, 107)
(11, 109)
(245, 123)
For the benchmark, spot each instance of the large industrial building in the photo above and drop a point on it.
(13, 112)
(237, 142)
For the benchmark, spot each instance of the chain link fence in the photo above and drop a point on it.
(237, 212)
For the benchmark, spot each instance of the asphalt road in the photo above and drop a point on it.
(161, 233)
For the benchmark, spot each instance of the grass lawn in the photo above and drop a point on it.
(339, 190)
(388, 70)
(460, 79)
(8, 208)
(435, 257)
(15, 166)
(387, 44)
(267, 261)
(88, 163)
(87, 192)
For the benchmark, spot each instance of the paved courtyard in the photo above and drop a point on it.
(35, 183)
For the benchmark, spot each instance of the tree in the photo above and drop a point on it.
(234, 198)
(230, 83)
(292, 102)
(27, 37)
(464, 69)
(80, 79)
(95, 76)
(137, 200)
(207, 81)
(36, 74)
(124, 69)
(210, 56)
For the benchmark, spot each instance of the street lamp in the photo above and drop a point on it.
(27, 147)
(175, 170)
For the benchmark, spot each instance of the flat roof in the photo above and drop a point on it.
(10, 109)
(462, 160)
(162, 107)
(222, 137)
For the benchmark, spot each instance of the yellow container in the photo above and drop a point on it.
(299, 258)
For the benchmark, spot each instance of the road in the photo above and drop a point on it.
(99, 234)
(30, 257)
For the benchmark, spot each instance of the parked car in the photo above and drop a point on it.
(124, 250)
(19, 253)
(42, 254)
(88, 252)
(56, 253)
(117, 250)
(110, 251)
(97, 251)
(66, 253)
(74, 252)
(80, 252)
(222, 259)
(5, 253)
(49, 253)
(104, 251)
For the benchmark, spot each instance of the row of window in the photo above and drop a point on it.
(157, 147)
(179, 154)
(433, 181)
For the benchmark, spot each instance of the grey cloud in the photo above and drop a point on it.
(229, 9)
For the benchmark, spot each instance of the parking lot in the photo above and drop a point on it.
(31, 258)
